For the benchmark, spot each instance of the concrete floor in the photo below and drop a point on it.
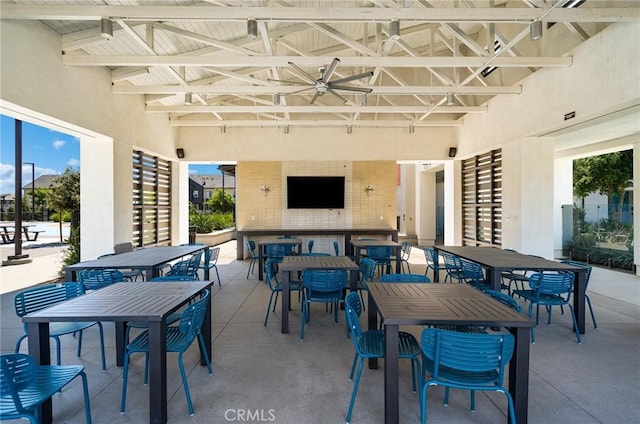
(261, 375)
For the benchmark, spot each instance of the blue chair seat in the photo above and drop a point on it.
(26, 385)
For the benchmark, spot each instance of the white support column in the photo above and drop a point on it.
(97, 210)
(453, 203)
(425, 207)
(180, 202)
(408, 218)
(528, 196)
(563, 195)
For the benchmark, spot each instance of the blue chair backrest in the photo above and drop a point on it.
(251, 245)
(353, 309)
(211, 255)
(505, 299)
(277, 250)
(431, 255)
(451, 262)
(404, 278)
(406, 249)
(336, 248)
(94, 279)
(193, 317)
(173, 278)
(472, 271)
(270, 273)
(17, 372)
(471, 352)
(186, 267)
(367, 269)
(310, 246)
(379, 252)
(553, 284)
(325, 281)
(35, 299)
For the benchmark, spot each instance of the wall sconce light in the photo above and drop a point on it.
(265, 190)
(106, 28)
(369, 188)
(535, 30)
(450, 99)
(252, 29)
(276, 99)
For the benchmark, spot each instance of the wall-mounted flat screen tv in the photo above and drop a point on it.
(315, 192)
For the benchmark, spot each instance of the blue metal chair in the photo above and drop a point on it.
(310, 246)
(382, 255)
(253, 256)
(465, 361)
(586, 285)
(188, 267)
(26, 385)
(370, 344)
(433, 261)
(271, 277)
(41, 297)
(549, 290)
(404, 278)
(95, 279)
(322, 286)
(179, 339)
(473, 274)
(405, 251)
(211, 261)
(453, 267)
(336, 248)
(172, 318)
(367, 273)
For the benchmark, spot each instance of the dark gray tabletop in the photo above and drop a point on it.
(139, 258)
(442, 304)
(276, 240)
(361, 244)
(504, 260)
(300, 263)
(131, 301)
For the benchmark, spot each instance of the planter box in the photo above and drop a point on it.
(216, 237)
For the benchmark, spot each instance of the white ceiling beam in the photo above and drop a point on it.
(283, 89)
(319, 14)
(261, 61)
(310, 123)
(222, 45)
(341, 38)
(312, 109)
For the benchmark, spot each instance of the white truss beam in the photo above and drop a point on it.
(310, 123)
(312, 109)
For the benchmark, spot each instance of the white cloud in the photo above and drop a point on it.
(73, 162)
(58, 144)
(7, 178)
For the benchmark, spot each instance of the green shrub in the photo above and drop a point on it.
(55, 216)
(206, 223)
(72, 252)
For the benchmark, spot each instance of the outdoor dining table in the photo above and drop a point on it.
(262, 247)
(291, 264)
(445, 304)
(358, 246)
(149, 259)
(496, 261)
(7, 232)
(123, 302)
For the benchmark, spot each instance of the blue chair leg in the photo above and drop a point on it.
(593, 317)
(125, 375)
(575, 324)
(266, 318)
(203, 350)
(183, 374)
(355, 391)
(85, 393)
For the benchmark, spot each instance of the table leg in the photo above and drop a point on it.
(519, 373)
(260, 263)
(398, 259)
(286, 278)
(151, 272)
(206, 268)
(121, 343)
(494, 279)
(157, 373)
(39, 349)
(391, 394)
(578, 299)
(372, 319)
(206, 334)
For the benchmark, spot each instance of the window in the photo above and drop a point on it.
(482, 200)
(195, 194)
(151, 200)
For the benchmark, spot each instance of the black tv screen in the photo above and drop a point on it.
(315, 192)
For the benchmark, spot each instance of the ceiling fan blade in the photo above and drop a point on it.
(302, 73)
(350, 88)
(298, 91)
(353, 77)
(288, 82)
(331, 70)
(314, 98)
(337, 95)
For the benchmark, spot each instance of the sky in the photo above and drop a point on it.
(50, 151)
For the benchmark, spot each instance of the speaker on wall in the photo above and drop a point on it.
(180, 153)
(452, 152)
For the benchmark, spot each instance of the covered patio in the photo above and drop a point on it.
(274, 377)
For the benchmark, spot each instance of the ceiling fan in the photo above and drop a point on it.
(322, 85)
